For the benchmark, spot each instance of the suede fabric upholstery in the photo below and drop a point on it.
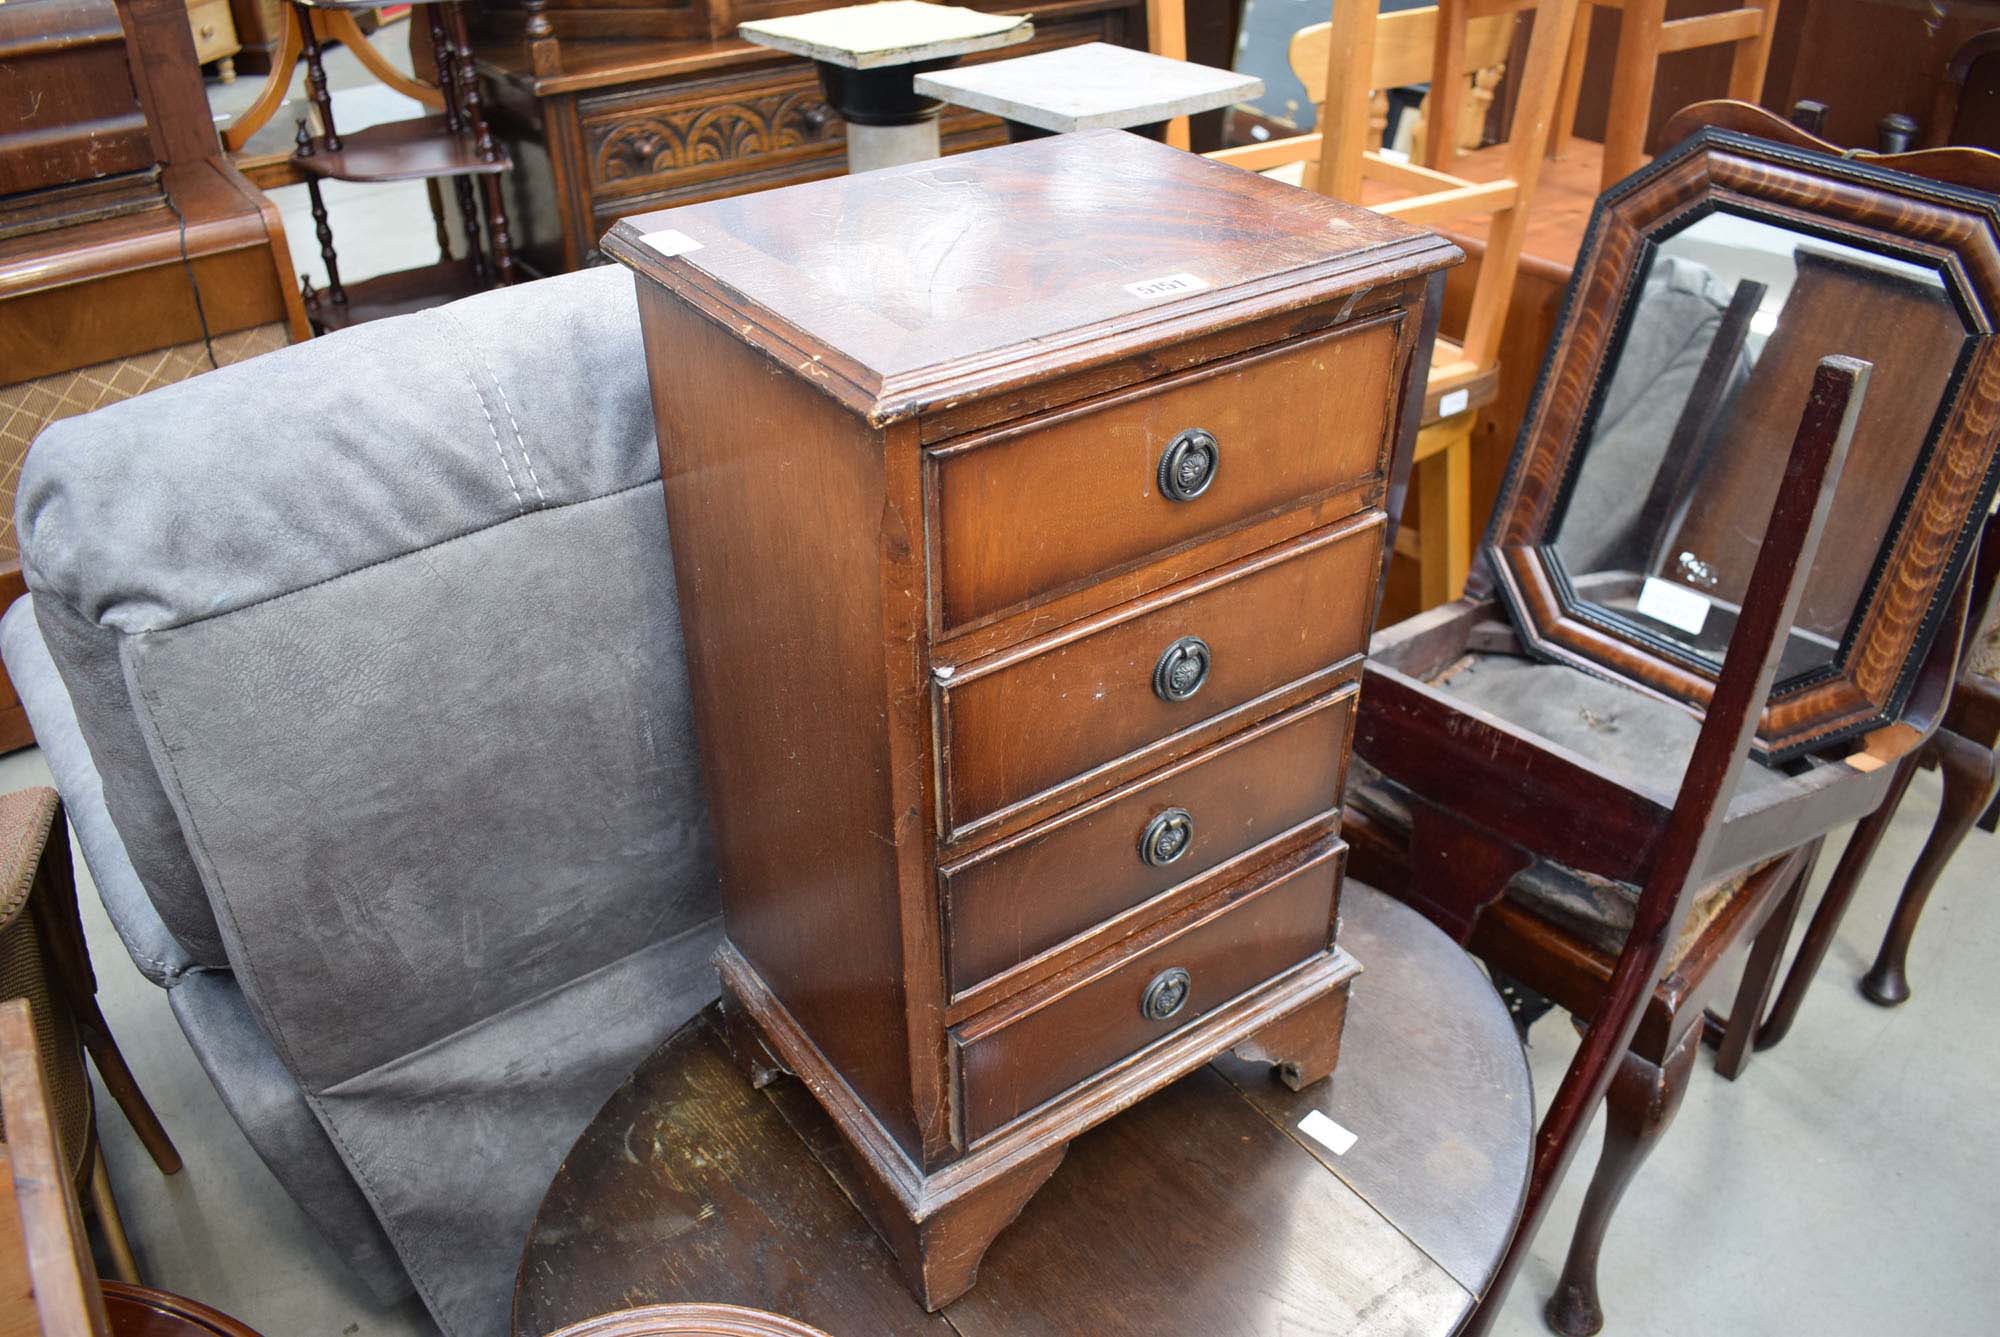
(396, 632)
(154, 949)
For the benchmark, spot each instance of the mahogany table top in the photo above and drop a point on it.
(1206, 1208)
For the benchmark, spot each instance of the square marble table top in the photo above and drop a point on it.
(895, 32)
(1095, 86)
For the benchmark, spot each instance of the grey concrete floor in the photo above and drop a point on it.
(1849, 1183)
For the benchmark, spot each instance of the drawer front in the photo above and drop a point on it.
(1160, 834)
(656, 141)
(1010, 1065)
(1036, 510)
(1029, 719)
(214, 30)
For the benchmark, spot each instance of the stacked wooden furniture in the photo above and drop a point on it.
(1519, 741)
(131, 253)
(994, 510)
(613, 110)
(455, 145)
(1463, 374)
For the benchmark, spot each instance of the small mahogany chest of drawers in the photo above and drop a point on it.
(1026, 511)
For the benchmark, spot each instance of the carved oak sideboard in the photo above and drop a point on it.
(621, 110)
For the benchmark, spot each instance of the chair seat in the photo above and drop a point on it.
(1597, 910)
(1637, 740)
(1633, 738)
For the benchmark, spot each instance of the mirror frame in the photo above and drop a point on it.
(1844, 199)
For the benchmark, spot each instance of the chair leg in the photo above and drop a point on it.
(1826, 919)
(1638, 1107)
(124, 1088)
(1969, 771)
(1760, 973)
(1632, 80)
(124, 1267)
(1563, 129)
(1444, 500)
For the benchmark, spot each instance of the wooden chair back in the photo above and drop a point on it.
(1967, 110)
(1645, 33)
(1405, 53)
(1722, 749)
(48, 1283)
(1343, 159)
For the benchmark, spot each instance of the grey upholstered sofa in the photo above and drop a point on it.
(359, 669)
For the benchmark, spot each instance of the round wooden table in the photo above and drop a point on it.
(1205, 1209)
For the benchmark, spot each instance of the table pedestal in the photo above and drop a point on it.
(888, 122)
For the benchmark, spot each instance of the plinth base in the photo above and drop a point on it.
(940, 1224)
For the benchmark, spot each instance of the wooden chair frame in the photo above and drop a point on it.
(1341, 161)
(1644, 35)
(1479, 795)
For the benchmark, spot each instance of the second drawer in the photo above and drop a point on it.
(1134, 685)
(1066, 876)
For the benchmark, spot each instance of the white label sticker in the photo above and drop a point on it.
(1166, 286)
(1328, 1133)
(1675, 605)
(1454, 402)
(670, 241)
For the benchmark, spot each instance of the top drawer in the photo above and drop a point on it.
(1033, 510)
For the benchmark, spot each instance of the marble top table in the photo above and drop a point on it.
(1095, 86)
(867, 56)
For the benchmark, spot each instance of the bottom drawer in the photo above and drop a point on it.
(1018, 1056)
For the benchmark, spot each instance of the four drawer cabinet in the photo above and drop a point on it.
(1026, 512)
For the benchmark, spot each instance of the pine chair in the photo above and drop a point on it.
(1358, 54)
(1645, 34)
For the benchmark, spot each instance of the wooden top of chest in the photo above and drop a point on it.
(902, 290)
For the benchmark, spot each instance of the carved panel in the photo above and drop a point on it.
(675, 139)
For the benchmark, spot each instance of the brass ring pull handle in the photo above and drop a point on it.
(1166, 995)
(1181, 670)
(1167, 837)
(1187, 465)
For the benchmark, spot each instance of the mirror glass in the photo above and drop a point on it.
(1669, 498)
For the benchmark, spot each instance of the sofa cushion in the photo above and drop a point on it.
(271, 475)
(382, 640)
(160, 955)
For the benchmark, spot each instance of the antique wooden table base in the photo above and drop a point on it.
(1207, 1209)
(996, 488)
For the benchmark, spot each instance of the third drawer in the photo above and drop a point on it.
(1139, 845)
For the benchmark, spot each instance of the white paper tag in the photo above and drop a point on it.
(671, 241)
(1166, 286)
(1328, 1133)
(1453, 402)
(1675, 605)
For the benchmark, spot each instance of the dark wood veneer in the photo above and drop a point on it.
(891, 734)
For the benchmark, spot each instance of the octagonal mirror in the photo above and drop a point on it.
(1707, 292)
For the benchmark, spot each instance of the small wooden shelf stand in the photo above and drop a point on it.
(455, 144)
